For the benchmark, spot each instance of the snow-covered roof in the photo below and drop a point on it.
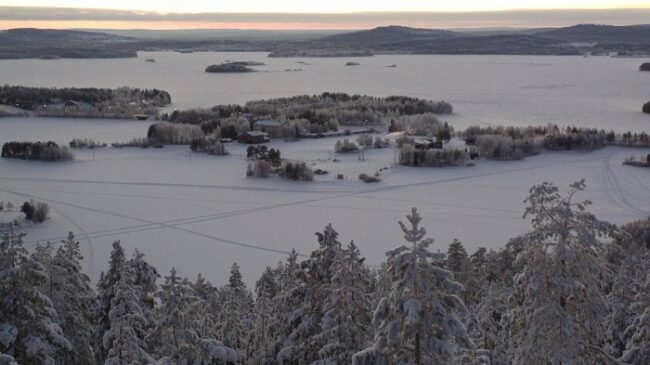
(257, 133)
(269, 123)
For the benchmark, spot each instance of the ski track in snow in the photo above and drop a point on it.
(176, 224)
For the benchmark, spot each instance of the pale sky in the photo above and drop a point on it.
(316, 14)
(326, 6)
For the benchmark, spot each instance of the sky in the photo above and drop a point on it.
(328, 6)
(315, 14)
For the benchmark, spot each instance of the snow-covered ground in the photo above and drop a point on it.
(200, 213)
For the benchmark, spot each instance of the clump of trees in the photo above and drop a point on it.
(170, 133)
(85, 143)
(368, 178)
(645, 66)
(34, 211)
(228, 67)
(367, 141)
(263, 153)
(112, 101)
(297, 171)
(426, 124)
(576, 139)
(409, 155)
(138, 142)
(42, 151)
(345, 146)
(260, 168)
(312, 113)
(500, 147)
(646, 108)
(211, 146)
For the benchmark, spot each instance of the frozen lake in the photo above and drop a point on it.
(599, 92)
(199, 213)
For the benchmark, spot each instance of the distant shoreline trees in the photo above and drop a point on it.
(42, 151)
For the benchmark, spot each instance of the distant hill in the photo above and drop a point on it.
(559, 41)
(579, 39)
(633, 34)
(53, 43)
(387, 35)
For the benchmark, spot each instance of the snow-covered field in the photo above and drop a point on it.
(200, 213)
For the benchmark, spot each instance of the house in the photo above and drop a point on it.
(254, 137)
(272, 127)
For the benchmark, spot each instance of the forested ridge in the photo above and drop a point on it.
(572, 290)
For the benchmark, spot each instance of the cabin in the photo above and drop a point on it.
(272, 127)
(254, 137)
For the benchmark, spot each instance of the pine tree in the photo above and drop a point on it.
(557, 307)
(417, 322)
(123, 341)
(105, 293)
(346, 327)
(28, 332)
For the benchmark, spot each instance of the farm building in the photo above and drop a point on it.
(254, 137)
(272, 127)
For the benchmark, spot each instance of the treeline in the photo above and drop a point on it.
(572, 290)
(314, 113)
(96, 99)
(42, 151)
(511, 143)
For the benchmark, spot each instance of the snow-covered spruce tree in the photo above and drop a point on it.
(173, 336)
(260, 344)
(619, 300)
(283, 304)
(417, 322)
(28, 332)
(457, 261)
(205, 310)
(484, 323)
(346, 326)
(144, 276)
(233, 321)
(315, 276)
(557, 308)
(74, 300)
(637, 350)
(123, 341)
(105, 292)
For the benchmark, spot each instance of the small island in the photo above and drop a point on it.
(232, 67)
(646, 108)
(645, 66)
(352, 64)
